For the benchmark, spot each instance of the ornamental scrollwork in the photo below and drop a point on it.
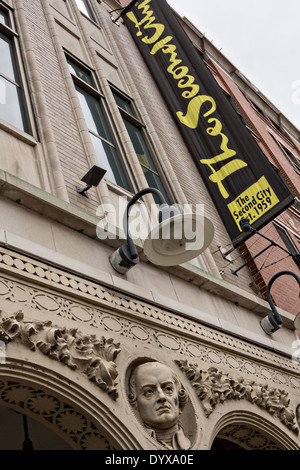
(214, 387)
(88, 354)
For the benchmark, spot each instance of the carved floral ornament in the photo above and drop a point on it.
(88, 354)
(95, 358)
(214, 387)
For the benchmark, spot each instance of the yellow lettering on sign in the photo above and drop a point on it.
(226, 170)
(191, 118)
(191, 92)
(184, 74)
(254, 202)
(147, 22)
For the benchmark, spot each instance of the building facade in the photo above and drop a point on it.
(74, 93)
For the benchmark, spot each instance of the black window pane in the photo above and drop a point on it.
(11, 107)
(286, 239)
(75, 70)
(154, 181)
(93, 114)
(139, 145)
(145, 158)
(291, 158)
(108, 160)
(123, 104)
(7, 66)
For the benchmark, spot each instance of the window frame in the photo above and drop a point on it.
(90, 13)
(24, 99)
(132, 119)
(289, 156)
(93, 90)
(291, 247)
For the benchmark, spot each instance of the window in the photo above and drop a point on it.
(134, 129)
(12, 107)
(90, 101)
(85, 8)
(286, 239)
(291, 158)
(293, 161)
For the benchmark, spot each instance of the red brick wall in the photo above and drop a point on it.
(124, 3)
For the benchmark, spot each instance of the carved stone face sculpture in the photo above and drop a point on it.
(159, 399)
(157, 395)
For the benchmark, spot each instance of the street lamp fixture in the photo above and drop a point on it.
(297, 322)
(273, 322)
(177, 239)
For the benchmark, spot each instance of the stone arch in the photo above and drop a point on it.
(64, 406)
(244, 430)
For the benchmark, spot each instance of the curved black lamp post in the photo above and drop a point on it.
(127, 255)
(273, 322)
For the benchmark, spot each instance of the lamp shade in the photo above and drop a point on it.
(297, 321)
(178, 239)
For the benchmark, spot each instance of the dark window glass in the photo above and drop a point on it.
(291, 158)
(83, 75)
(135, 133)
(144, 157)
(93, 114)
(109, 160)
(123, 104)
(288, 155)
(286, 239)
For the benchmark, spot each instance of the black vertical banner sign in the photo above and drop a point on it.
(240, 179)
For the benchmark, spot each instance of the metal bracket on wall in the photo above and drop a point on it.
(246, 227)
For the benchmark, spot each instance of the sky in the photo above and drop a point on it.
(261, 38)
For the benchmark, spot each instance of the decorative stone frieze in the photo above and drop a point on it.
(214, 387)
(122, 316)
(88, 354)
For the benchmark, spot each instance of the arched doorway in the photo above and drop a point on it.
(244, 430)
(72, 416)
(34, 412)
(242, 437)
(23, 433)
